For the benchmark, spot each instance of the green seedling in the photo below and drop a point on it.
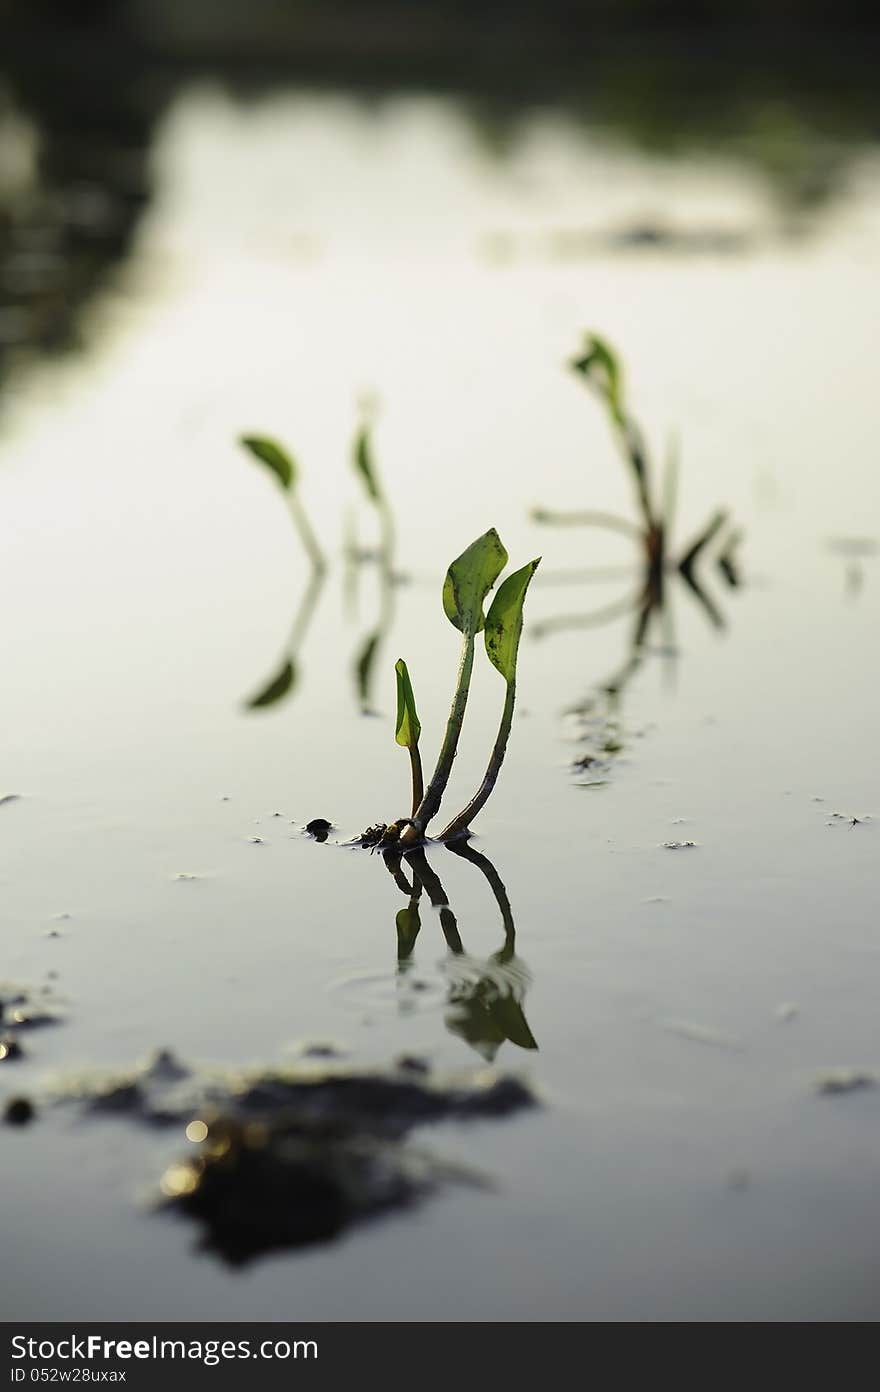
(364, 464)
(282, 466)
(408, 730)
(468, 582)
(503, 631)
(600, 367)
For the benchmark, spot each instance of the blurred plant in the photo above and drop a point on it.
(600, 715)
(282, 466)
(601, 369)
(364, 463)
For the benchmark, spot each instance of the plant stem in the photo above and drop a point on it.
(430, 803)
(418, 782)
(549, 518)
(461, 823)
(306, 535)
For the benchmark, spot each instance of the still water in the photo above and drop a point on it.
(674, 1009)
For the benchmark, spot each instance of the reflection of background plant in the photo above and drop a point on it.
(788, 91)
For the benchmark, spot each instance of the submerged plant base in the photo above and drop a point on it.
(286, 1158)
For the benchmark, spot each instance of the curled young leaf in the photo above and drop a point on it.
(470, 578)
(599, 364)
(408, 727)
(270, 453)
(505, 620)
(363, 463)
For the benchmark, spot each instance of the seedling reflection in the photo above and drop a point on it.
(485, 997)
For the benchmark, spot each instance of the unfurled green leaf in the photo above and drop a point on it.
(599, 364)
(470, 578)
(505, 620)
(408, 727)
(270, 453)
(363, 462)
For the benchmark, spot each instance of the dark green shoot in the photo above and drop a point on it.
(408, 730)
(276, 459)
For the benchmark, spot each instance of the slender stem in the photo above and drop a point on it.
(587, 519)
(418, 782)
(430, 803)
(460, 824)
(306, 535)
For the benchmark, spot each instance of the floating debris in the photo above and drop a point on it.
(699, 1034)
(23, 1007)
(848, 819)
(679, 845)
(10, 1049)
(320, 828)
(838, 1081)
(9, 797)
(293, 1156)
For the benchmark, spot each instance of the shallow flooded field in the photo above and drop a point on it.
(667, 927)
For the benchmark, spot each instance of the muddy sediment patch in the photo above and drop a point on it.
(289, 1157)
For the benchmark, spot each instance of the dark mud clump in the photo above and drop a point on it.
(320, 828)
(288, 1158)
(18, 1111)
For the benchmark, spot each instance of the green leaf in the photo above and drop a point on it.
(276, 689)
(601, 367)
(470, 578)
(505, 620)
(408, 727)
(363, 462)
(273, 456)
(408, 926)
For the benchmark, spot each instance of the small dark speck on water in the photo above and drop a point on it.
(18, 1111)
(256, 840)
(320, 828)
(838, 1081)
(679, 845)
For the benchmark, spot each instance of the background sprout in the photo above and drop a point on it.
(365, 466)
(468, 581)
(601, 367)
(364, 463)
(280, 463)
(409, 729)
(503, 631)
